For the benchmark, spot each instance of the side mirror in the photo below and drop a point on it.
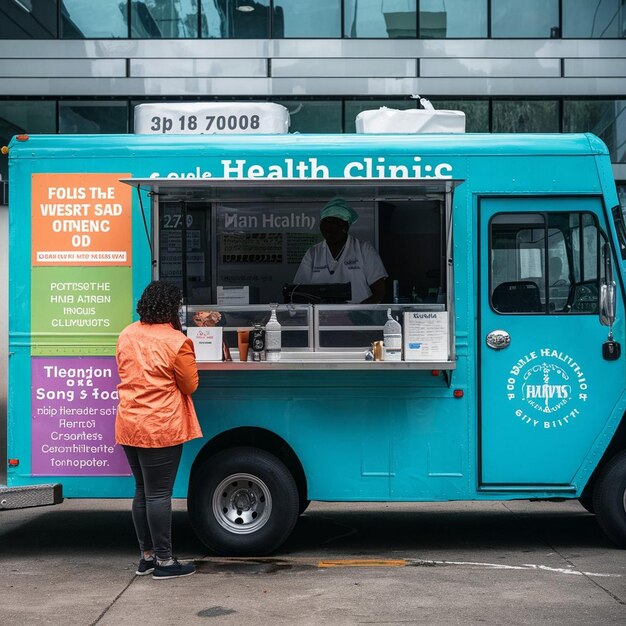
(607, 290)
(607, 304)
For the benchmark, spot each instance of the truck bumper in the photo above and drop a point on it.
(33, 495)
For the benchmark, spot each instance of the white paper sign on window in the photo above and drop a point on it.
(426, 336)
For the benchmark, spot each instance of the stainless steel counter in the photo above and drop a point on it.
(323, 361)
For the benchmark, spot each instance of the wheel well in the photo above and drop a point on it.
(618, 443)
(256, 438)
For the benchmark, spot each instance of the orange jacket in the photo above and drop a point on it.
(156, 376)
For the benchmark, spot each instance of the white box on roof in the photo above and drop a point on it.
(426, 120)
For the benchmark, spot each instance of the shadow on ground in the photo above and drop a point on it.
(342, 531)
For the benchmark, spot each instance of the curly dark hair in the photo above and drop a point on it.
(159, 303)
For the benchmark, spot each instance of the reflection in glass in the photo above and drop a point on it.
(525, 116)
(476, 113)
(605, 118)
(601, 18)
(84, 19)
(313, 117)
(93, 117)
(193, 276)
(28, 19)
(453, 18)
(303, 18)
(354, 107)
(24, 116)
(240, 19)
(621, 192)
(357, 327)
(381, 19)
(531, 18)
(517, 263)
(171, 19)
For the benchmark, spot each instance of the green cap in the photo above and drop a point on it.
(339, 208)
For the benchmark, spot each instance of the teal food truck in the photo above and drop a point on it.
(505, 257)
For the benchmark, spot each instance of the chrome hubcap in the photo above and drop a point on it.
(242, 504)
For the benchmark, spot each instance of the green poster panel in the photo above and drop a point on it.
(79, 310)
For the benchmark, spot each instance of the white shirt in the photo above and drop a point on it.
(358, 264)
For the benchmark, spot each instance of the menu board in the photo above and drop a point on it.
(81, 298)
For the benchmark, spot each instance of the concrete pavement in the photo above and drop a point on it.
(448, 563)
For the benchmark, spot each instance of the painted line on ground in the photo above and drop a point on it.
(363, 563)
(525, 566)
(408, 562)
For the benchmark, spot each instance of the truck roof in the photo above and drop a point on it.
(484, 144)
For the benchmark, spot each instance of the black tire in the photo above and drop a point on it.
(242, 501)
(304, 505)
(609, 499)
(587, 503)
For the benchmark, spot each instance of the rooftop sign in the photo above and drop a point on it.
(211, 118)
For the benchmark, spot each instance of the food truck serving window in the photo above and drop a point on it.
(242, 244)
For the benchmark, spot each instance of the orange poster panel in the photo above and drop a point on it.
(81, 219)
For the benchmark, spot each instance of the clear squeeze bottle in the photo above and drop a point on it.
(392, 339)
(273, 336)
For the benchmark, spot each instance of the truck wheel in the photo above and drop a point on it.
(609, 499)
(242, 501)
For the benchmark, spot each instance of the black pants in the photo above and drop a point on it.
(154, 470)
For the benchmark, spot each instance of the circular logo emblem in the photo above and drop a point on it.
(547, 388)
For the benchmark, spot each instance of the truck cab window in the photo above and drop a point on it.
(544, 263)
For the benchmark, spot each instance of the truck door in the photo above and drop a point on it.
(546, 391)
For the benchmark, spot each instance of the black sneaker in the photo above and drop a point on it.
(176, 570)
(145, 567)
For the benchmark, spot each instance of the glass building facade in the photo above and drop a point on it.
(79, 66)
(259, 19)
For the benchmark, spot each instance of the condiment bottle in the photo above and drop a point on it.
(392, 339)
(257, 342)
(273, 336)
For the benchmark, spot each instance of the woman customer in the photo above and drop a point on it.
(155, 416)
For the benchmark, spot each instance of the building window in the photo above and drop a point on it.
(476, 113)
(167, 19)
(380, 19)
(594, 20)
(28, 19)
(93, 117)
(440, 19)
(605, 118)
(303, 18)
(525, 116)
(532, 18)
(85, 19)
(313, 116)
(24, 116)
(238, 19)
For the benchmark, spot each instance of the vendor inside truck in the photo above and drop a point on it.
(342, 258)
